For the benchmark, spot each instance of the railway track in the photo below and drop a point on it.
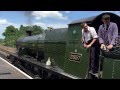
(7, 69)
(5, 52)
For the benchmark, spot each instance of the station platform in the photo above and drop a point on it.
(8, 71)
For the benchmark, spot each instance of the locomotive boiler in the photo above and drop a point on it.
(64, 49)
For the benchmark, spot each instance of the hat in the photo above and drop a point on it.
(106, 16)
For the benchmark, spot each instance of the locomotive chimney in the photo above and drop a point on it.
(29, 32)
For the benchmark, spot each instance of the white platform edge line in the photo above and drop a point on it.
(16, 68)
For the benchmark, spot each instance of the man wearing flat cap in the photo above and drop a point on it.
(107, 32)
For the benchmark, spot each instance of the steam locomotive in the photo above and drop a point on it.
(63, 48)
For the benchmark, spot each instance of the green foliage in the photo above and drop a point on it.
(2, 42)
(37, 30)
(12, 34)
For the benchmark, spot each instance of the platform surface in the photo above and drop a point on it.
(8, 71)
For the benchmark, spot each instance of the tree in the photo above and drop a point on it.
(37, 30)
(22, 31)
(11, 35)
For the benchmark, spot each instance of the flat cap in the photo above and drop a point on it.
(106, 16)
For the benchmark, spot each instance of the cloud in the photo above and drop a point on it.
(67, 11)
(117, 12)
(4, 23)
(54, 25)
(48, 14)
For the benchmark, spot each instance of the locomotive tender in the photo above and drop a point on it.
(64, 49)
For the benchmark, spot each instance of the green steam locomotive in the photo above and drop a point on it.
(63, 48)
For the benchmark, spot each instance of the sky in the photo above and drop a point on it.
(55, 19)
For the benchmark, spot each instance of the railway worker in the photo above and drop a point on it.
(107, 32)
(90, 41)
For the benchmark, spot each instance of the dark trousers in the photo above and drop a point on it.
(94, 53)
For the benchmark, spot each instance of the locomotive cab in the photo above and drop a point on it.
(111, 58)
(75, 49)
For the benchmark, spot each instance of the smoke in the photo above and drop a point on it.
(29, 16)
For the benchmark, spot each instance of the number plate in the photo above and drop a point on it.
(76, 57)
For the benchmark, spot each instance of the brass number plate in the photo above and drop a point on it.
(76, 57)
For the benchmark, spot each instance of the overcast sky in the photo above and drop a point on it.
(55, 19)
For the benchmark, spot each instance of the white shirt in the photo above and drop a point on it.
(90, 34)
